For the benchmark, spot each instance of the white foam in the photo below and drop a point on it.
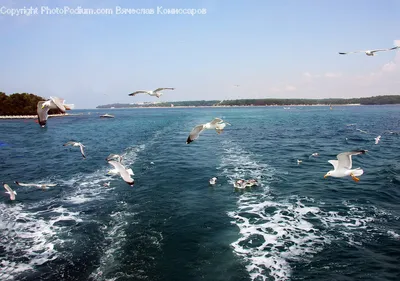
(393, 234)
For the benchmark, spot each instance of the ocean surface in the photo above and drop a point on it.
(172, 225)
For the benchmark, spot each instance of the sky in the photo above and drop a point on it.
(271, 48)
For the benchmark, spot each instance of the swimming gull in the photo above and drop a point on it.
(157, 92)
(43, 108)
(38, 185)
(10, 191)
(213, 180)
(123, 172)
(370, 52)
(377, 139)
(299, 161)
(194, 134)
(342, 166)
(74, 143)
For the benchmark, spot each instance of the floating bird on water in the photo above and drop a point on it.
(74, 143)
(123, 172)
(10, 191)
(370, 52)
(157, 92)
(377, 139)
(43, 108)
(342, 166)
(314, 154)
(213, 180)
(299, 161)
(214, 124)
(38, 185)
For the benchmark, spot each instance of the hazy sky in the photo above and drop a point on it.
(272, 49)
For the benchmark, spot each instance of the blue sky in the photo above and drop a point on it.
(272, 49)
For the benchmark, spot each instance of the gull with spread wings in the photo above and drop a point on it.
(216, 124)
(43, 108)
(123, 172)
(342, 166)
(9, 191)
(74, 143)
(157, 92)
(370, 52)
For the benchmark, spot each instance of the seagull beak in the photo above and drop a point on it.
(326, 176)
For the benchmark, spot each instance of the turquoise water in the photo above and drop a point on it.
(171, 225)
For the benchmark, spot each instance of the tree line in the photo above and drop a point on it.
(21, 104)
(376, 100)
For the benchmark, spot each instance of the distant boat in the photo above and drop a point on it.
(106, 116)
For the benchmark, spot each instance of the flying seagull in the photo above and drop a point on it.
(377, 139)
(342, 166)
(38, 185)
(214, 124)
(10, 191)
(157, 92)
(74, 143)
(43, 108)
(370, 52)
(123, 172)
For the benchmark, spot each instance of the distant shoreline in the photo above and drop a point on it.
(229, 106)
(32, 116)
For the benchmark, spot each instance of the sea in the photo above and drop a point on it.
(173, 225)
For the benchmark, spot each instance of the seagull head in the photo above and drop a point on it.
(328, 174)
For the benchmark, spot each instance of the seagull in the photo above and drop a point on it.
(10, 191)
(299, 161)
(342, 166)
(213, 180)
(240, 184)
(42, 186)
(106, 184)
(74, 143)
(370, 52)
(214, 124)
(377, 139)
(315, 154)
(155, 93)
(123, 172)
(43, 108)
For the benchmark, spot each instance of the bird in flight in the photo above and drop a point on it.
(342, 166)
(214, 124)
(370, 52)
(74, 143)
(156, 93)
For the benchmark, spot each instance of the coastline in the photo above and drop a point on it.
(31, 116)
(230, 106)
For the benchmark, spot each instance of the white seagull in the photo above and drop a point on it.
(342, 166)
(214, 124)
(370, 52)
(10, 191)
(38, 185)
(74, 143)
(299, 161)
(157, 92)
(213, 180)
(43, 108)
(123, 172)
(377, 139)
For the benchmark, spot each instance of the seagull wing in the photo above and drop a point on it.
(345, 158)
(216, 121)
(59, 103)
(122, 171)
(26, 184)
(160, 89)
(50, 184)
(10, 191)
(69, 143)
(83, 152)
(335, 163)
(42, 113)
(138, 92)
(194, 134)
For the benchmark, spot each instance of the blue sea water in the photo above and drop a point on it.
(171, 225)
